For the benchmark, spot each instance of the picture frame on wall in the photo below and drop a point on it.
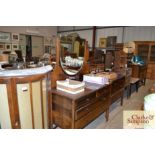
(102, 42)
(2, 46)
(15, 46)
(7, 47)
(15, 37)
(111, 41)
(5, 37)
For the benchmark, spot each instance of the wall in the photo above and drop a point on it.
(32, 30)
(124, 34)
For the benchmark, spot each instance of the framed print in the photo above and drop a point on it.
(111, 41)
(2, 46)
(5, 37)
(102, 42)
(47, 49)
(15, 37)
(15, 46)
(8, 47)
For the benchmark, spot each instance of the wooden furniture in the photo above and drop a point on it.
(76, 111)
(117, 89)
(25, 101)
(134, 81)
(146, 50)
(127, 73)
(58, 72)
(139, 72)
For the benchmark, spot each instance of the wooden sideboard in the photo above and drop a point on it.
(76, 111)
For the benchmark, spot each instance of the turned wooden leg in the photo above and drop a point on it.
(144, 81)
(107, 115)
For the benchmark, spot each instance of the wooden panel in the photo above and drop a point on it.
(23, 94)
(45, 104)
(36, 96)
(5, 121)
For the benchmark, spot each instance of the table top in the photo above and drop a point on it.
(26, 72)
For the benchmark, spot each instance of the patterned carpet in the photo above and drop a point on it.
(116, 111)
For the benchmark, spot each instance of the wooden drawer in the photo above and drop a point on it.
(116, 85)
(103, 91)
(56, 99)
(80, 123)
(116, 96)
(91, 106)
(88, 99)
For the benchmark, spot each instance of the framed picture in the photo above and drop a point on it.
(2, 46)
(15, 37)
(5, 37)
(15, 46)
(103, 42)
(8, 47)
(111, 41)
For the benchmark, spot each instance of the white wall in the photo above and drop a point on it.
(32, 30)
(139, 33)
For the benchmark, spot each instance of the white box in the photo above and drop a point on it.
(70, 86)
(93, 78)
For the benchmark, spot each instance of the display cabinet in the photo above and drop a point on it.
(146, 50)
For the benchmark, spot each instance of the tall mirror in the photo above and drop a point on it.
(72, 53)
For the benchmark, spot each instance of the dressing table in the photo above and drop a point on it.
(78, 110)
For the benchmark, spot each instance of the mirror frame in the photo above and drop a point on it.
(72, 42)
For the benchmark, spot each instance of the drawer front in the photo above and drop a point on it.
(103, 91)
(116, 85)
(101, 102)
(62, 101)
(116, 96)
(88, 99)
(80, 123)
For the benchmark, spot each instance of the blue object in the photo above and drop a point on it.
(137, 59)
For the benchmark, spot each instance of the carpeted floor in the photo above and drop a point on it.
(116, 111)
